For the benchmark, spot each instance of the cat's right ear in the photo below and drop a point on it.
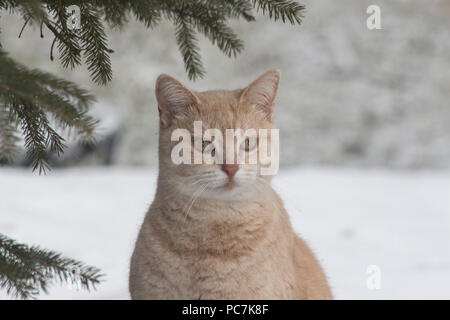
(261, 93)
(174, 99)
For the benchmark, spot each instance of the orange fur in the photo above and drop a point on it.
(200, 240)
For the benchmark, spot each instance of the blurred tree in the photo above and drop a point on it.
(38, 103)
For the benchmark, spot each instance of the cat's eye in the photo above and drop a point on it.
(248, 144)
(206, 146)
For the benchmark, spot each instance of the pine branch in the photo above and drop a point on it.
(35, 136)
(68, 42)
(8, 136)
(25, 270)
(24, 25)
(32, 9)
(187, 44)
(22, 90)
(238, 8)
(80, 97)
(61, 98)
(216, 31)
(207, 17)
(149, 13)
(31, 95)
(94, 44)
(115, 12)
(286, 10)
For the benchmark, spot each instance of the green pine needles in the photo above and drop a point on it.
(36, 107)
(38, 104)
(26, 271)
(27, 98)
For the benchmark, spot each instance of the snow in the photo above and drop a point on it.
(349, 97)
(396, 220)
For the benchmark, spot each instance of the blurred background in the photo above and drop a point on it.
(364, 118)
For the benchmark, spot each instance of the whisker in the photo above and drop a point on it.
(194, 199)
(194, 180)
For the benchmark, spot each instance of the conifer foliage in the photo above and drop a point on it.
(36, 107)
(26, 271)
(30, 97)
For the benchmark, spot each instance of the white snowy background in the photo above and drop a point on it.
(364, 118)
(352, 219)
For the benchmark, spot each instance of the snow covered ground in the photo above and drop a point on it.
(398, 221)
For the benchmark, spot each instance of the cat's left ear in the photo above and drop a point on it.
(174, 99)
(262, 92)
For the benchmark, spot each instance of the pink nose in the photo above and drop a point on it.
(230, 169)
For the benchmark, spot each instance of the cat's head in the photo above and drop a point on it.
(187, 118)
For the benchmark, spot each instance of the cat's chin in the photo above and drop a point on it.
(231, 192)
(230, 185)
(225, 190)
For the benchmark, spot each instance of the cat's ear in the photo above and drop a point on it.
(174, 99)
(262, 92)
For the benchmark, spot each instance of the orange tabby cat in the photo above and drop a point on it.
(219, 231)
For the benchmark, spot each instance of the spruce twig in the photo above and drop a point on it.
(26, 271)
(23, 27)
(31, 96)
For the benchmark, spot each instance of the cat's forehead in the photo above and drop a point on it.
(213, 98)
(223, 109)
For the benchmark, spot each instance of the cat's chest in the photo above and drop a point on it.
(232, 260)
(263, 274)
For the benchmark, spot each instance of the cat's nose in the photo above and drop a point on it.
(230, 169)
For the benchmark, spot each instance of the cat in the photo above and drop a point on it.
(219, 231)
